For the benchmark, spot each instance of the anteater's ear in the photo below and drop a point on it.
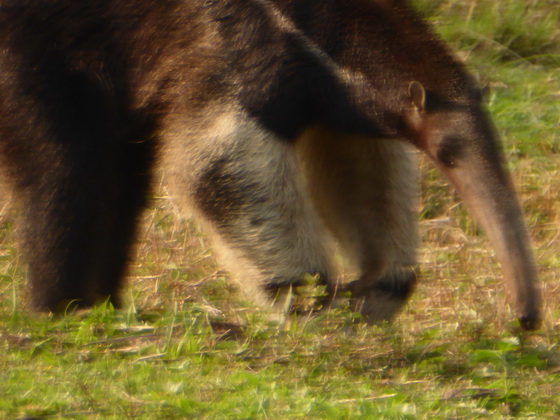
(417, 95)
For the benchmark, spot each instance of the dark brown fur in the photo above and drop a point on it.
(276, 121)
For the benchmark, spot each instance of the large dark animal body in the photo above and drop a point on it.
(275, 121)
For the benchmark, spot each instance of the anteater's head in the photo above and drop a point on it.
(458, 135)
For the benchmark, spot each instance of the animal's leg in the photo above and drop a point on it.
(81, 174)
(247, 186)
(366, 191)
(80, 218)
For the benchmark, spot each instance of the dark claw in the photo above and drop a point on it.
(530, 322)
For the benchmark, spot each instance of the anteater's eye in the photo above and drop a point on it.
(449, 151)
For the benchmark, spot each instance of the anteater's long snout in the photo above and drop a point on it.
(484, 184)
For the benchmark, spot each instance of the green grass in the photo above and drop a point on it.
(188, 347)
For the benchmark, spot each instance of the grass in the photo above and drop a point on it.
(188, 346)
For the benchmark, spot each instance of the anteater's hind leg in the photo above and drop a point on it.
(245, 184)
(366, 191)
(81, 171)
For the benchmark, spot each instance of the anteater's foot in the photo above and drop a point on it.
(383, 299)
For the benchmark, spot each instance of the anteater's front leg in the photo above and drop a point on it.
(246, 185)
(366, 191)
